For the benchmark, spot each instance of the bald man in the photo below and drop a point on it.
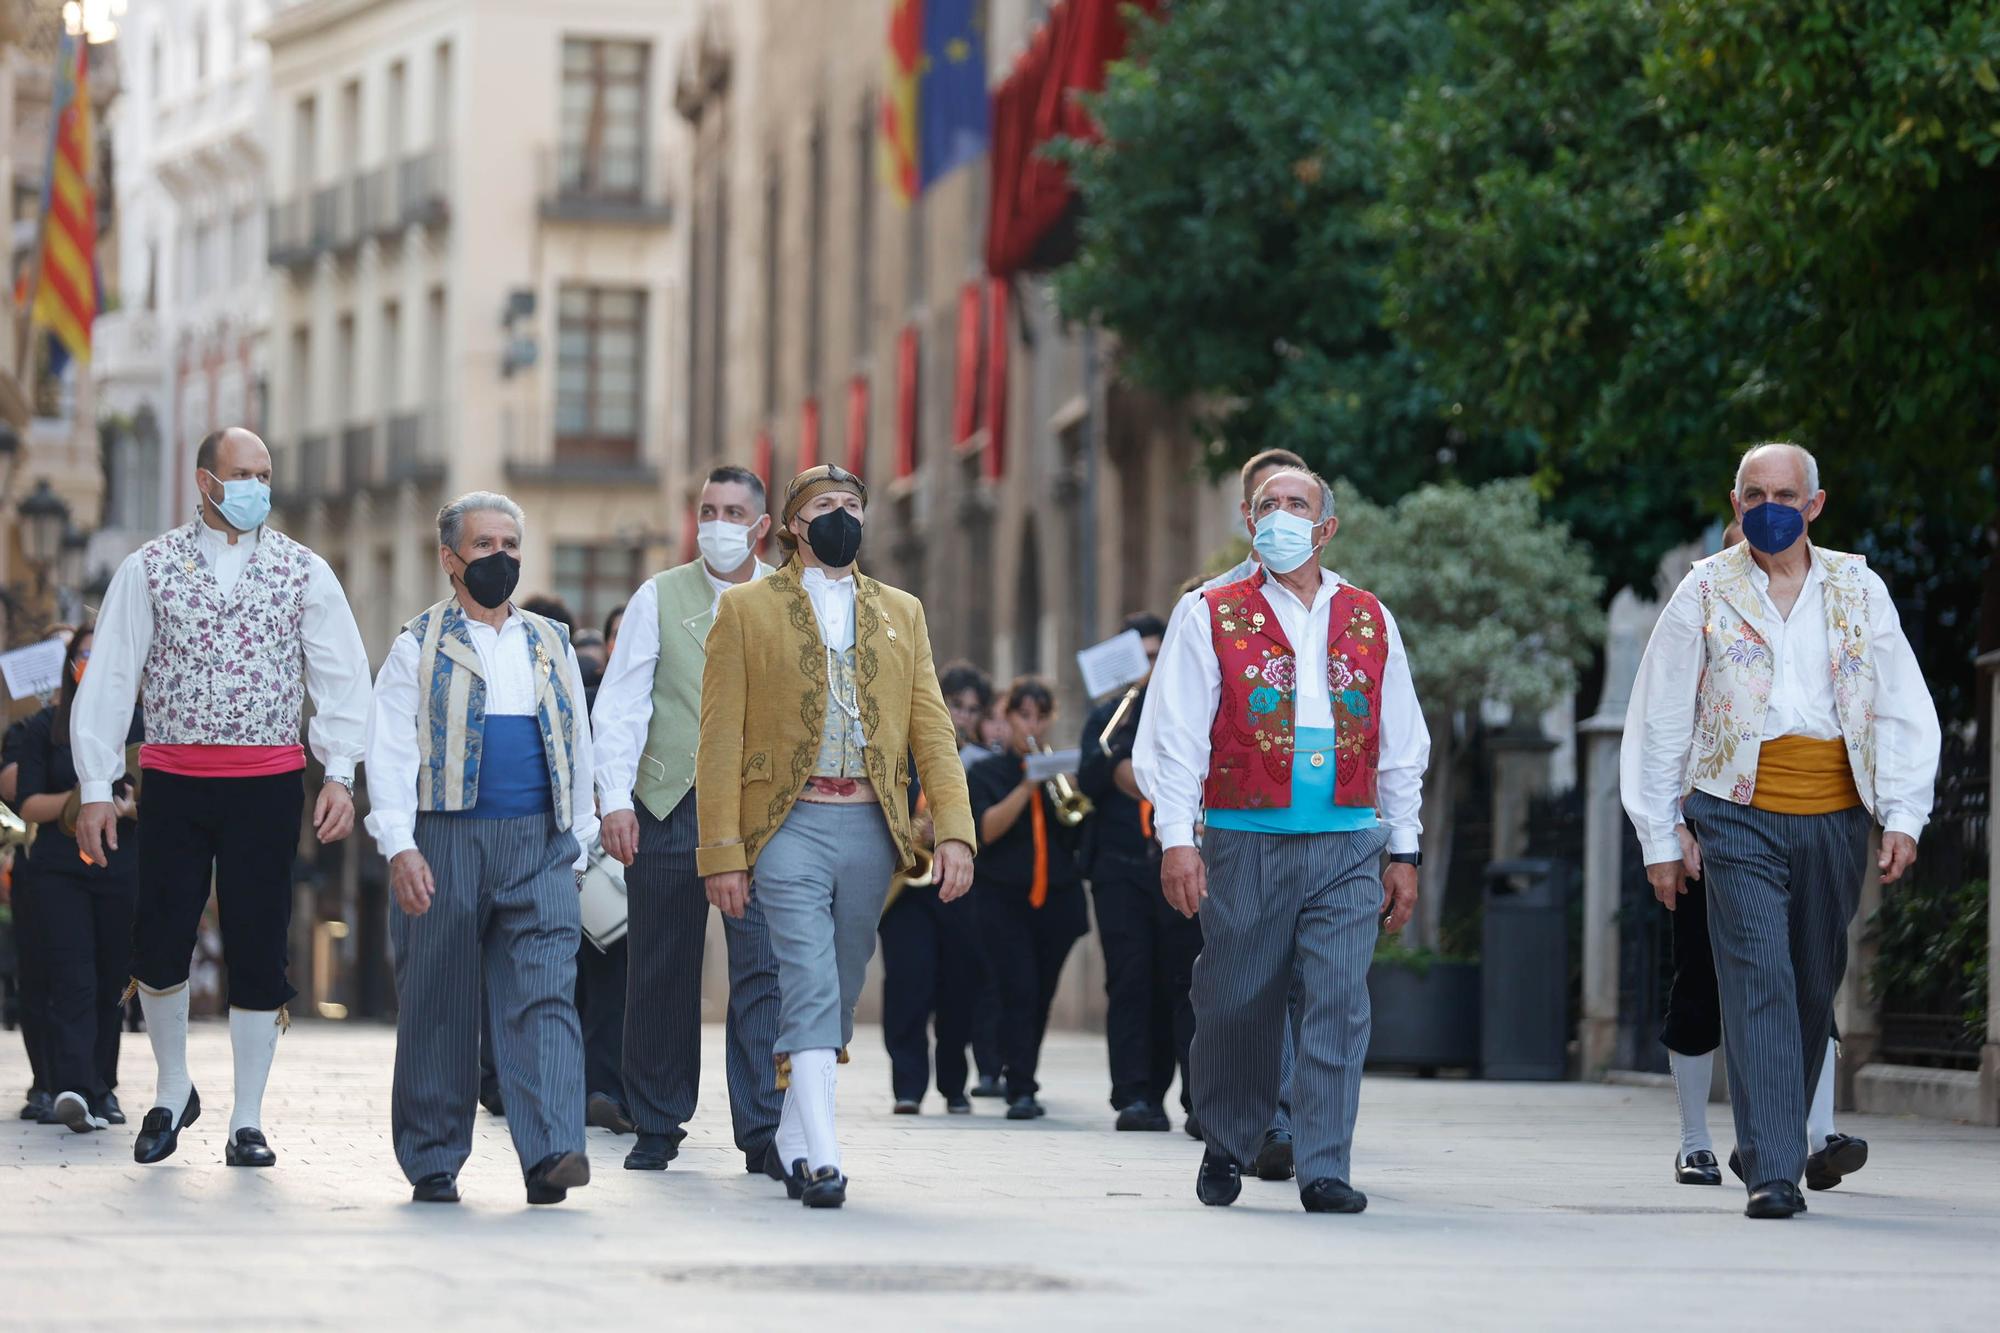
(1779, 716)
(223, 627)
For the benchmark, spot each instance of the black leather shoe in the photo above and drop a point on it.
(1332, 1196)
(826, 1189)
(1775, 1198)
(556, 1175)
(1219, 1181)
(959, 1105)
(1274, 1159)
(771, 1164)
(158, 1134)
(38, 1104)
(436, 1188)
(905, 1106)
(652, 1152)
(1843, 1155)
(1193, 1127)
(1025, 1108)
(72, 1110)
(1143, 1117)
(796, 1179)
(108, 1110)
(988, 1087)
(603, 1112)
(1736, 1164)
(489, 1097)
(1697, 1168)
(247, 1148)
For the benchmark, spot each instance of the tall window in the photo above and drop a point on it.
(389, 368)
(441, 94)
(305, 145)
(396, 113)
(815, 250)
(592, 580)
(600, 356)
(774, 217)
(865, 190)
(603, 119)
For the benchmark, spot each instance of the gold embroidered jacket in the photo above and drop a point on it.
(763, 708)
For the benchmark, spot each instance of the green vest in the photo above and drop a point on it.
(666, 765)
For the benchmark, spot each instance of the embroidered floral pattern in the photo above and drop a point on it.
(225, 670)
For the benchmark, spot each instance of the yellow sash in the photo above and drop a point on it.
(1797, 775)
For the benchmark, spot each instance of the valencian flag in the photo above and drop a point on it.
(66, 284)
(934, 115)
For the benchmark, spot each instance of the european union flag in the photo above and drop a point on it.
(951, 92)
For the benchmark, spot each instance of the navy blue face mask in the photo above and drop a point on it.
(1772, 527)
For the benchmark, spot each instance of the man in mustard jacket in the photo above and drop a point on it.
(818, 691)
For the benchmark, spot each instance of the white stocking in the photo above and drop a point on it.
(813, 1075)
(1692, 1076)
(253, 1035)
(167, 1028)
(1819, 1120)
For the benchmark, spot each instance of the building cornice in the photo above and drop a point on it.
(313, 16)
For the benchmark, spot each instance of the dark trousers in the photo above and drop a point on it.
(1694, 1007)
(1149, 953)
(600, 1005)
(31, 971)
(1027, 947)
(667, 909)
(930, 971)
(241, 834)
(1781, 892)
(84, 930)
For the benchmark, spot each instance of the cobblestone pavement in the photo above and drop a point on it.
(1492, 1205)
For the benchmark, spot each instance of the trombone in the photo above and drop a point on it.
(1071, 806)
(1119, 717)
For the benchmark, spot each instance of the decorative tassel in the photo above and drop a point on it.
(284, 1018)
(784, 1063)
(131, 989)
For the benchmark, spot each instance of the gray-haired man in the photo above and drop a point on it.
(480, 780)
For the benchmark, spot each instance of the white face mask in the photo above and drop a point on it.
(725, 546)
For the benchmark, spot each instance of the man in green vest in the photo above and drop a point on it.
(646, 723)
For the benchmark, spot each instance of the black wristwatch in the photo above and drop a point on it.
(1407, 858)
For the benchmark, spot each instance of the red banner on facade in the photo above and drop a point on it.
(857, 425)
(809, 434)
(997, 343)
(965, 388)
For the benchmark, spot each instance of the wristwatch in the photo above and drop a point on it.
(347, 782)
(1407, 858)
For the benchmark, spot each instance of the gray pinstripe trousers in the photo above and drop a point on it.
(1285, 915)
(505, 911)
(667, 926)
(1781, 891)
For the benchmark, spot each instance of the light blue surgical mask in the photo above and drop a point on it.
(244, 504)
(1283, 541)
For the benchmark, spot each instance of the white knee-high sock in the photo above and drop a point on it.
(167, 1029)
(1692, 1076)
(813, 1075)
(253, 1036)
(1819, 1120)
(791, 1129)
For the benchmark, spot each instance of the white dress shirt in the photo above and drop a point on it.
(1171, 753)
(395, 763)
(624, 710)
(1659, 723)
(833, 607)
(336, 665)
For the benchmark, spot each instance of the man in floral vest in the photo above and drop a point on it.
(1777, 718)
(225, 627)
(1286, 713)
(479, 779)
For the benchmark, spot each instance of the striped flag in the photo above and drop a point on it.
(66, 284)
(934, 113)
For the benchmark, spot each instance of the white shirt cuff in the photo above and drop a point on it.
(393, 842)
(1179, 834)
(609, 803)
(1663, 849)
(96, 793)
(1404, 840)
(1903, 822)
(340, 770)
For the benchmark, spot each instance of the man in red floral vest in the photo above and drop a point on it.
(1286, 713)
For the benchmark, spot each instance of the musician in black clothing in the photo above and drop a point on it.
(31, 990)
(1026, 890)
(1149, 949)
(84, 912)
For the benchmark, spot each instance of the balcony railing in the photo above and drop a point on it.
(423, 181)
(289, 243)
(315, 467)
(583, 461)
(416, 446)
(286, 490)
(619, 188)
(325, 216)
(361, 463)
(377, 212)
(348, 232)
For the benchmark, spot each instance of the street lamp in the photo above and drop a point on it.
(44, 520)
(70, 563)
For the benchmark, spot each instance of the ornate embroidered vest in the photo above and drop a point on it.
(1254, 733)
(842, 746)
(225, 670)
(451, 708)
(1739, 669)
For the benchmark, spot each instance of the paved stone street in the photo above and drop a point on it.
(1492, 1205)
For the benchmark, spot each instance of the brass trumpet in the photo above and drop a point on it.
(1071, 806)
(16, 833)
(1119, 716)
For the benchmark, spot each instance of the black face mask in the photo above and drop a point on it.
(491, 579)
(835, 537)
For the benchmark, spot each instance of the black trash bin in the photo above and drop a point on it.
(1524, 973)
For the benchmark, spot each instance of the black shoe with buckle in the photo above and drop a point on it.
(826, 1189)
(438, 1187)
(556, 1175)
(797, 1179)
(1697, 1168)
(1843, 1155)
(159, 1134)
(247, 1148)
(1219, 1181)
(1775, 1198)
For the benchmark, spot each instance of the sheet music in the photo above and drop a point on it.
(34, 670)
(1042, 767)
(1114, 664)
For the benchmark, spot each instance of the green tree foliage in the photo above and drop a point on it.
(1226, 237)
